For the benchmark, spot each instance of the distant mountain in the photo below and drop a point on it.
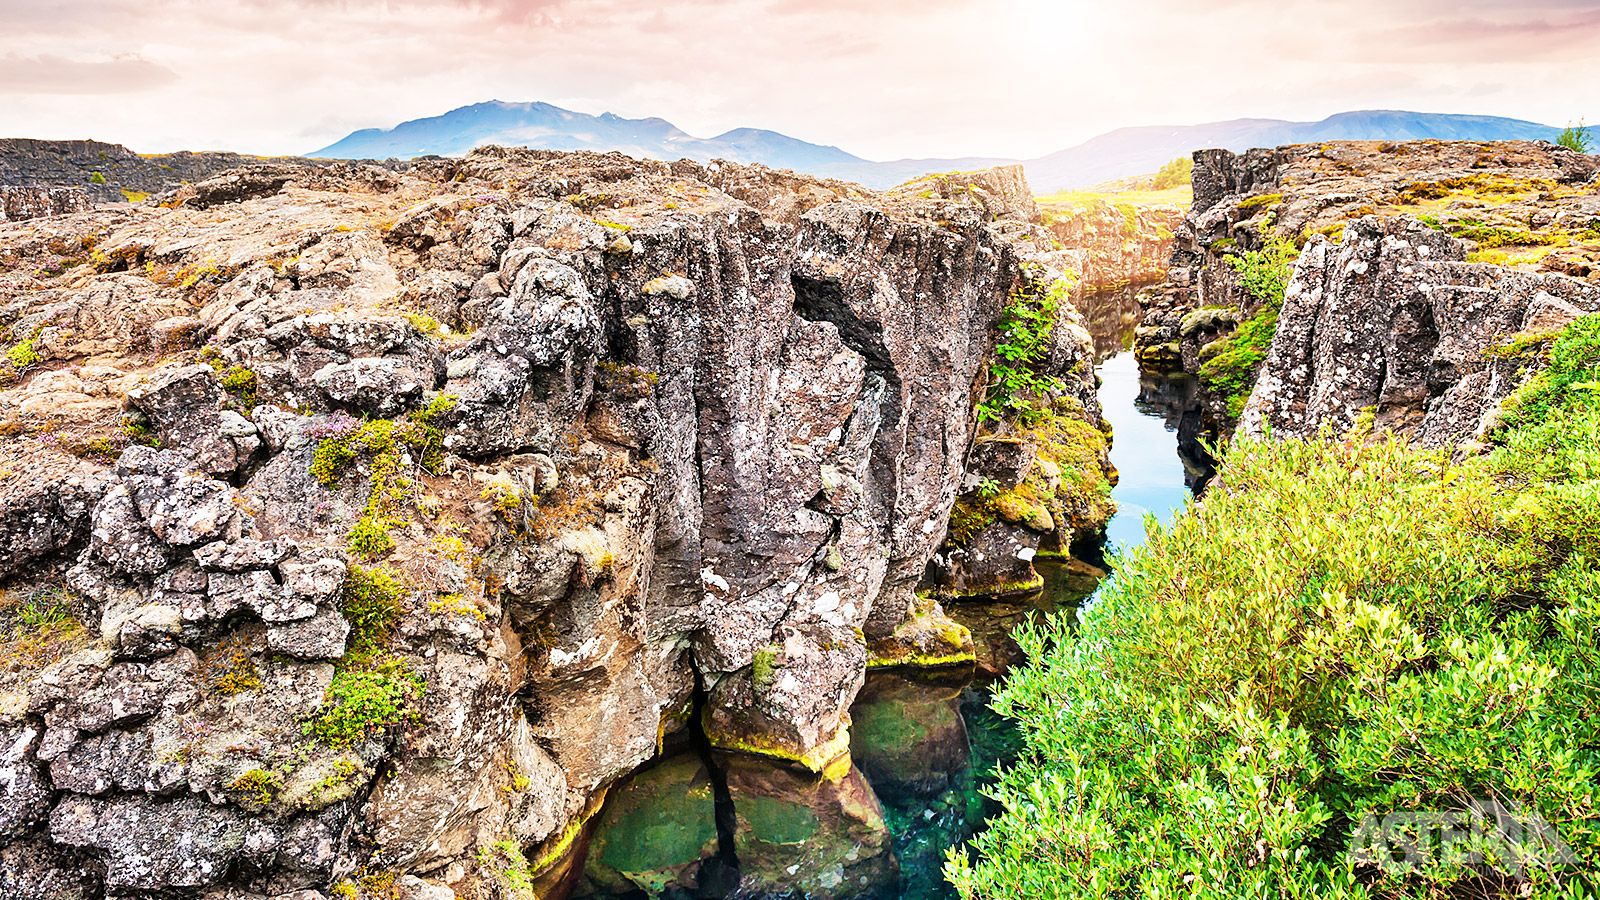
(1117, 154)
(553, 128)
(1134, 151)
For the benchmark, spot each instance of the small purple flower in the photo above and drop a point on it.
(338, 425)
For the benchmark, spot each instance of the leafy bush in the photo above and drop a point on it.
(1016, 388)
(1347, 629)
(241, 383)
(363, 701)
(370, 602)
(1264, 274)
(259, 785)
(1173, 174)
(23, 354)
(1576, 138)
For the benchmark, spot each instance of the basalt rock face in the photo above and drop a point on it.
(39, 163)
(1391, 320)
(404, 514)
(1115, 246)
(1526, 213)
(17, 203)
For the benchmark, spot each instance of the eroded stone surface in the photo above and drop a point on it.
(633, 434)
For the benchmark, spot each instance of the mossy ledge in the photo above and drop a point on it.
(819, 760)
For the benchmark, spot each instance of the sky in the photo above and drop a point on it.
(883, 79)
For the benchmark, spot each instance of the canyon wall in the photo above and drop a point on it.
(18, 203)
(1411, 261)
(362, 525)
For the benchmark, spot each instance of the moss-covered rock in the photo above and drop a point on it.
(908, 736)
(795, 834)
(656, 830)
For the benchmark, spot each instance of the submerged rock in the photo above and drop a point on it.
(658, 829)
(824, 837)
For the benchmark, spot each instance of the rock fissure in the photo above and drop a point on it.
(478, 483)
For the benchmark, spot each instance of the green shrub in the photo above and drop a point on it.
(1016, 388)
(97, 178)
(1173, 174)
(362, 701)
(505, 861)
(1576, 138)
(1348, 629)
(23, 354)
(370, 602)
(1264, 274)
(241, 383)
(259, 785)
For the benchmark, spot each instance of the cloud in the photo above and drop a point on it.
(54, 75)
(879, 78)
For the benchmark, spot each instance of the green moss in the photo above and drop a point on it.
(241, 383)
(1252, 205)
(556, 849)
(816, 760)
(370, 602)
(763, 669)
(1489, 237)
(258, 785)
(970, 516)
(777, 820)
(1231, 371)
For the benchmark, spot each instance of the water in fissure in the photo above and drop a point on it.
(1161, 465)
(924, 743)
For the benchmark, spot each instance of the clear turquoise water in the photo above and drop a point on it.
(1153, 479)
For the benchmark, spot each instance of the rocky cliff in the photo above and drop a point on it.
(1409, 261)
(110, 173)
(17, 203)
(361, 525)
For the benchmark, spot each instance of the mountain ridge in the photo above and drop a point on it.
(1125, 151)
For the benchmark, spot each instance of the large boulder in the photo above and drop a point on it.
(185, 406)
